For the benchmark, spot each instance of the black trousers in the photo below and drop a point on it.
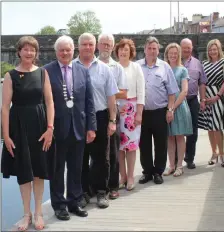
(96, 175)
(154, 124)
(114, 152)
(69, 151)
(191, 140)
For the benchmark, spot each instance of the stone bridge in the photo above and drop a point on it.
(47, 54)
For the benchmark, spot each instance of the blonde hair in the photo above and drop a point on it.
(173, 45)
(218, 45)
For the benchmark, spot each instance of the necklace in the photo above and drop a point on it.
(69, 102)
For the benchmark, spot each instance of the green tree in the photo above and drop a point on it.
(84, 22)
(5, 67)
(47, 30)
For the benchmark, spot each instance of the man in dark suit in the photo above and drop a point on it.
(75, 124)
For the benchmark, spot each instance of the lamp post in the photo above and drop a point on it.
(170, 17)
(178, 27)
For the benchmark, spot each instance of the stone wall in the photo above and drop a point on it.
(8, 50)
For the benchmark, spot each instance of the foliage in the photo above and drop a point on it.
(84, 22)
(47, 30)
(5, 67)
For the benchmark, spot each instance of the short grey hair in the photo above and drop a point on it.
(186, 40)
(64, 39)
(152, 39)
(86, 35)
(106, 36)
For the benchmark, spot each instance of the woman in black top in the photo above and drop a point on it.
(28, 129)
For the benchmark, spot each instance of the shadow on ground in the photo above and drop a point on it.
(212, 217)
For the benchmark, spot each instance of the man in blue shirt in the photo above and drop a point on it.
(161, 87)
(104, 90)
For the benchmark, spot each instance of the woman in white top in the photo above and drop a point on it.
(130, 111)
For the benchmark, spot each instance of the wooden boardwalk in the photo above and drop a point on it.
(192, 202)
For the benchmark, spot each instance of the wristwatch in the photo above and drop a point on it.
(203, 100)
(170, 109)
(113, 121)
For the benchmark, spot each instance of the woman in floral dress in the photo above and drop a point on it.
(130, 111)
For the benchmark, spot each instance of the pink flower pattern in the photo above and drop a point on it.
(130, 134)
(132, 146)
(124, 138)
(129, 108)
(129, 123)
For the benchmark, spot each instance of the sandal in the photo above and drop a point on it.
(130, 187)
(38, 221)
(169, 171)
(213, 158)
(221, 160)
(25, 222)
(130, 184)
(179, 171)
(123, 183)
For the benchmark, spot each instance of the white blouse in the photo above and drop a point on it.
(136, 82)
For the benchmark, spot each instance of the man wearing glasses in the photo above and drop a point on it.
(105, 47)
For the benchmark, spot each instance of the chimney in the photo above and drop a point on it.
(196, 18)
(185, 21)
(215, 16)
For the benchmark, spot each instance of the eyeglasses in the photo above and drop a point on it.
(106, 45)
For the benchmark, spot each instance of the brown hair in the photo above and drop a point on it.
(152, 39)
(27, 40)
(131, 45)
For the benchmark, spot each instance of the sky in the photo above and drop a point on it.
(115, 17)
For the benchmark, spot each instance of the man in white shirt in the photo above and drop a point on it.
(105, 47)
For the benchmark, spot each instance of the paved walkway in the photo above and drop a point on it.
(192, 202)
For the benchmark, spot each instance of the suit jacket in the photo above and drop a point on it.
(82, 116)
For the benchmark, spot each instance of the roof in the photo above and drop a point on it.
(167, 30)
(152, 31)
(203, 19)
(219, 23)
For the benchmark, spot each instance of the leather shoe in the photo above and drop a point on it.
(145, 178)
(191, 165)
(78, 211)
(84, 200)
(62, 214)
(158, 179)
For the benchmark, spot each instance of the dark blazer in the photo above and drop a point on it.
(83, 112)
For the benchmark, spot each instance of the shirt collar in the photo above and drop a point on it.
(158, 62)
(111, 62)
(95, 60)
(187, 61)
(62, 65)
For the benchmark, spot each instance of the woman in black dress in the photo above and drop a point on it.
(28, 150)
